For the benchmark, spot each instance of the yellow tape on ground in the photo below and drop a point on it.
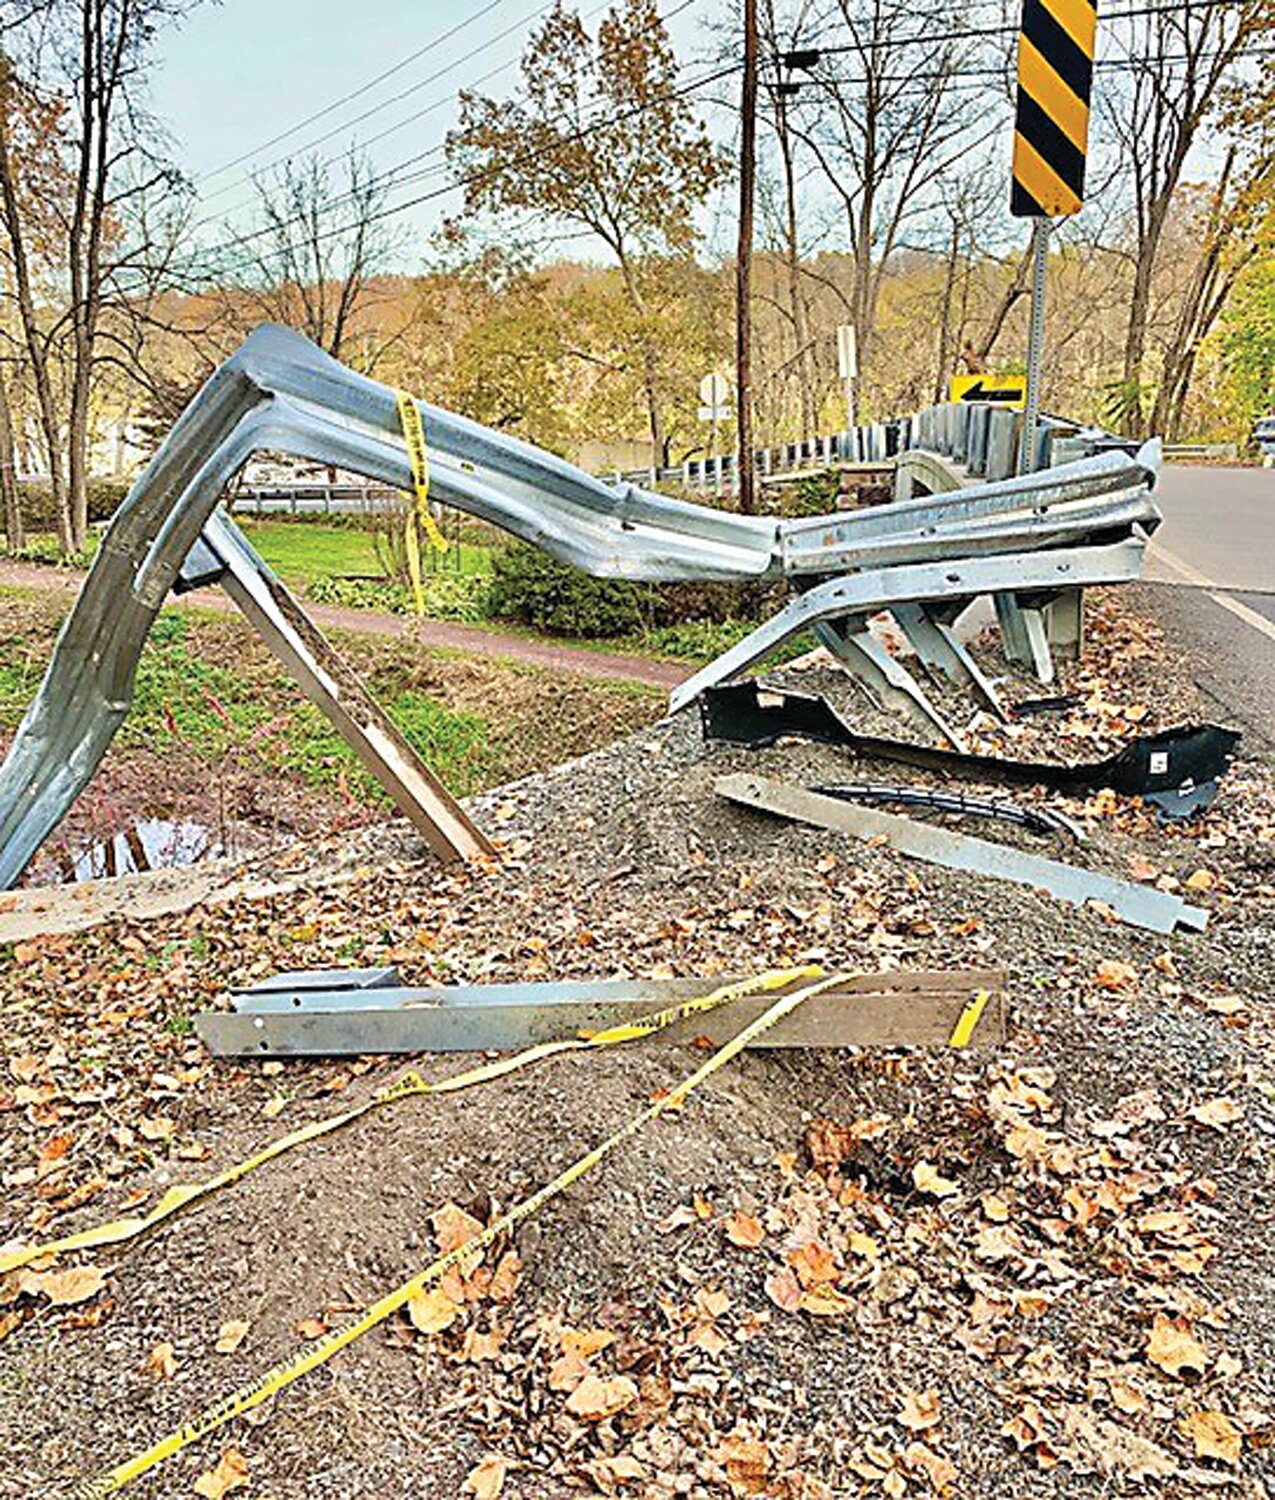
(969, 1019)
(120, 1231)
(318, 1353)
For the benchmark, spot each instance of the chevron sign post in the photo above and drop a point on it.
(1051, 139)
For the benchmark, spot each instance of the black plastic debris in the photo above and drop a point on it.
(1177, 771)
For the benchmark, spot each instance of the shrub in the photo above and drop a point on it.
(531, 586)
(38, 514)
(447, 596)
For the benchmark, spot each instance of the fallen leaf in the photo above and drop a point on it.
(162, 1362)
(744, 1230)
(230, 1335)
(1200, 880)
(1114, 974)
(1217, 1112)
(432, 1311)
(480, 1346)
(1114, 1449)
(595, 1397)
(1173, 1346)
(156, 1129)
(486, 1480)
(784, 1290)
(746, 1460)
(927, 1179)
(231, 1473)
(1214, 1435)
(453, 1227)
(585, 1341)
(63, 1288)
(825, 1301)
(920, 1411)
(310, 1328)
(505, 1278)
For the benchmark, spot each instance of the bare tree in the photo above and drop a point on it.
(91, 56)
(886, 121)
(319, 244)
(1178, 63)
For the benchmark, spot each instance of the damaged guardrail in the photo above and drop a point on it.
(1075, 524)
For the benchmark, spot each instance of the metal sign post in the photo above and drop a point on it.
(1051, 141)
(713, 394)
(1035, 346)
(848, 367)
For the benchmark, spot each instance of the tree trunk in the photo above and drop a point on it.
(796, 291)
(10, 495)
(37, 350)
(944, 355)
(649, 368)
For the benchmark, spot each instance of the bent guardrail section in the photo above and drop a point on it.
(281, 393)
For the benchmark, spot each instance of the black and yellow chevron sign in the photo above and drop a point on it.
(1051, 128)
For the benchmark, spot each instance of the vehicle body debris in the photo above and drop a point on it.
(329, 1013)
(881, 793)
(1177, 770)
(1139, 905)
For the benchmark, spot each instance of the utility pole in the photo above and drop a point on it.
(744, 263)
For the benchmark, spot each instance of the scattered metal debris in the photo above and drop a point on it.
(1061, 703)
(328, 1013)
(1141, 905)
(882, 793)
(1177, 771)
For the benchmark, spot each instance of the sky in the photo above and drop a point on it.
(235, 75)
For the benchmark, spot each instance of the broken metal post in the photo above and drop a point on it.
(332, 685)
(886, 680)
(936, 643)
(1065, 623)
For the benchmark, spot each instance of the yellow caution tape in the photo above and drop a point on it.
(419, 458)
(969, 1019)
(119, 1231)
(319, 1352)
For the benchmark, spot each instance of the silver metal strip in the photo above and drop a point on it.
(1140, 905)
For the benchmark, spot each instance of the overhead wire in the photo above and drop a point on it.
(391, 175)
(591, 128)
(879, 42)
(357, 93)
(442, 72)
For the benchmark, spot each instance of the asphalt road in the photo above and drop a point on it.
(1211, 580)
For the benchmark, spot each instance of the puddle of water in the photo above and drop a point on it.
(147, 844)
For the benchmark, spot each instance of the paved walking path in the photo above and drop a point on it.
(535, 652)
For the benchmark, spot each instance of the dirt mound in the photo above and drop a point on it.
(1041, 1272)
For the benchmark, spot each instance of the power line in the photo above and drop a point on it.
(963, 76)
(392, 177)
(466, 180)
(358, 92)
(385, 104)
(809, 55)
(411, 119)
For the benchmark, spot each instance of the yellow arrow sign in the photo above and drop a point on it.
(996, 390)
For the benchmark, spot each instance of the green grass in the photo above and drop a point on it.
(303, 551)
(213, 710)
